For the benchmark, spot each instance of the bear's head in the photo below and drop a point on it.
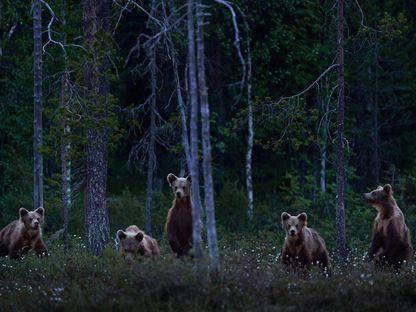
(129, 243)
(293, 225)
(32, 219)
(181, 187)
(379, 196)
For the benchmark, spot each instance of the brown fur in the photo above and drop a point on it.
(19, 236)
(303, 246)
(391, 243)
(134, 241)
(179, 220)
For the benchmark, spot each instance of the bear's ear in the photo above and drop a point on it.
(303, 217)
(121, 234)
(285, 216)
(379, 187)
(40, 211)
(139, 236)
(171, 178)
(189, 178)
(388, 189)
(23, 212)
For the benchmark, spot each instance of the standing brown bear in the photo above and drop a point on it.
(21, 235)
(391, 242)
(134, 241)
(179, 220)
(303, 246)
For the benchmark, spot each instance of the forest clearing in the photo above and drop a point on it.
(195, 155)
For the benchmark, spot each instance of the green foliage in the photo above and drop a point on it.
(292, 42)
(250, 279)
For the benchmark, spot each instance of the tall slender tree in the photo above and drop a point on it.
(206, 143)
(250, 138)
(96, 28)
(151, 155)
(65, 159)
(181, 103)
(65, 141)
(340, 161)
(37, 96)
(193, 90)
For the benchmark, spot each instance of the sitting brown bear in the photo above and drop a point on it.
(303, 246)
(134, 241)
(21, 235)
(391, 243)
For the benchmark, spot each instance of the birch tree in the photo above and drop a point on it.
(206, 144)
(37, 96)
(196, 207)
(250, 139)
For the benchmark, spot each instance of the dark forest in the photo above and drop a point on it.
(262, 107)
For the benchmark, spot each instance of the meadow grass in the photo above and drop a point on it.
(251, 278)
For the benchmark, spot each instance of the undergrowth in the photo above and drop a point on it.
(251, 278)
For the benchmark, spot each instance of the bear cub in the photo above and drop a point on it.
(179, 220)
(391, 244)
(21, 235)
(134, 241)
(303, 246)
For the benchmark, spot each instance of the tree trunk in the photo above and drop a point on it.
(181, 104)
(65, 142)
(206, 145)
(376, 151)
(182, 110)
(151, 156)
(37, 95)
(96, 17)
(65, 161)
(324, 147)
(250, 139)
(340, 162)
(196, 201)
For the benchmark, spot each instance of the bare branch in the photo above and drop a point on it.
(285, 98)
(49, 30)
(236, 43)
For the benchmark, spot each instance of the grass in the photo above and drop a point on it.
(250, 279)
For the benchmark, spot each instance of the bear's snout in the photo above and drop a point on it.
(292, 232)
(366, 197)
(178, 194)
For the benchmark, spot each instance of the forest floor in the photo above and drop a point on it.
(250, 279)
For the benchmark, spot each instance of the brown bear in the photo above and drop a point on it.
(391, 244)
(134, 241)
(303, 246)
(19, 236)
(179, 220)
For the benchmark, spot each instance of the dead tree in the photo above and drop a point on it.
(193, 90)
(37, 96)
(96, 19)
(340, 161)
(206, 144)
